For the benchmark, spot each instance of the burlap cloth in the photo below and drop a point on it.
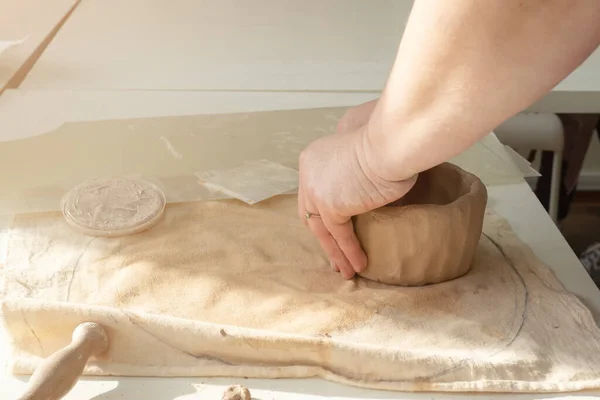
(226, 289)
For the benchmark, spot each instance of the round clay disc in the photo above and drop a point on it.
(110, 207)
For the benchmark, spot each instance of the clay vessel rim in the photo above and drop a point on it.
(471, 185)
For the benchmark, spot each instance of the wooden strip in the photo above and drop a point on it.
(36, 20)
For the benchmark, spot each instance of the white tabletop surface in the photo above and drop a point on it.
(325, 59)
(330, 45)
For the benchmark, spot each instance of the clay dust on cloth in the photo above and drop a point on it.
(222, 288)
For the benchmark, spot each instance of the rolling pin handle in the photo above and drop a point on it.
(56, 375)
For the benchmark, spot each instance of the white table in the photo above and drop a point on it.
(187, 45)
(66, 67)
(159, 57)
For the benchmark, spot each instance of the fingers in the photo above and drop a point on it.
(348, 243)
(337, 240)
(337, 259)
(331, 247)
(324, 243)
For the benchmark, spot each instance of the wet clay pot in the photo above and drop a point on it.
(430, 235)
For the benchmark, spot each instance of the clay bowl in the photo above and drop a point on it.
(430, 235)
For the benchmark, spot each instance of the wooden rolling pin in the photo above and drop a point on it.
(57, 374)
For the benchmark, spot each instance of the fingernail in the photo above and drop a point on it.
(333, 266)
(348, 276)
(362, 267)
(362, 264)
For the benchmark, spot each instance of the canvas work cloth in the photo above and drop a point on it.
(223, 288)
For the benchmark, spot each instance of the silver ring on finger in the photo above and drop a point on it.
(308, 214)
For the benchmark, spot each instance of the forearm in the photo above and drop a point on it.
(465, 66)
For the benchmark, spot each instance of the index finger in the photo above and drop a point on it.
(344, 235)
(331, 247)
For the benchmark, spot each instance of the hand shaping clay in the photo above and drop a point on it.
(430, 235)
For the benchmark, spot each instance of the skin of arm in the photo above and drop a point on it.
(465, 66)
(462, 68)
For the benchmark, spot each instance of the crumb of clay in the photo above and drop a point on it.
(222, 332)
(236, 392)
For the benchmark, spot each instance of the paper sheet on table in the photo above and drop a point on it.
(169, 151)
(253, 181)
(54, 108)
(520, 162)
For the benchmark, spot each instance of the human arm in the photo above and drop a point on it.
(462, 68)
(465, 66)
